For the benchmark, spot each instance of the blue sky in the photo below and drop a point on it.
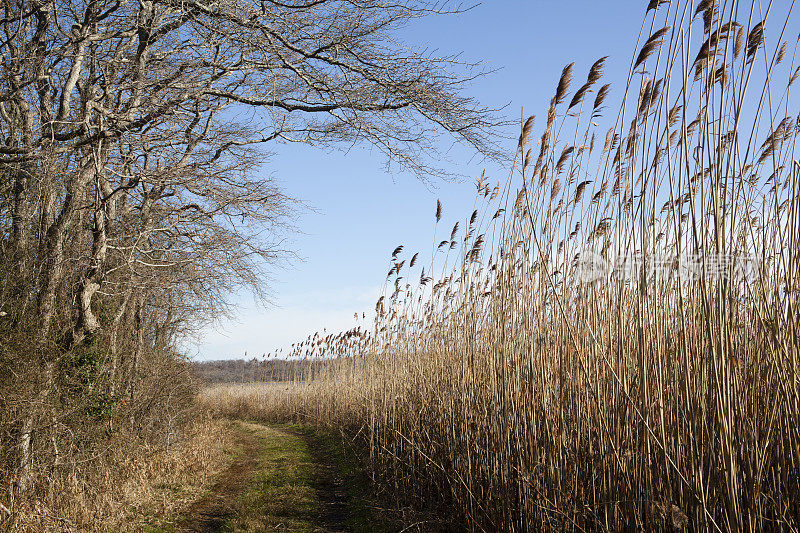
(358, 212)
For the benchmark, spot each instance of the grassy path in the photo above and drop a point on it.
(211, 512)
(282, 478)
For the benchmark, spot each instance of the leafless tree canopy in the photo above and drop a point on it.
(132, 131)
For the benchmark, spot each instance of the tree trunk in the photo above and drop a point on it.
(53, 269)
(87, 323)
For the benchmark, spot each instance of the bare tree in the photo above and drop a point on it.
(131, 134)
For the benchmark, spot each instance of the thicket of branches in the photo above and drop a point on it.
(132, 198)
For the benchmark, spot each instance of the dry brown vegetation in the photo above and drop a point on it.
(528, 397)
(273, 401)
(131, 486)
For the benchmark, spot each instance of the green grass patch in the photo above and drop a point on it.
(281, 495)
(365, 514)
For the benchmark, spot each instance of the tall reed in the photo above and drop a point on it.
(655, 387)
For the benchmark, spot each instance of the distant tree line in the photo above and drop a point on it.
(254, 370)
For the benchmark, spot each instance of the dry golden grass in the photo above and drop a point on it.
(125, 492)
(270, 401)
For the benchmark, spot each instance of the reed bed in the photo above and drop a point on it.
(610, 340)
(274, 401)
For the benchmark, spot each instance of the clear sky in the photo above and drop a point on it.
(359, 212)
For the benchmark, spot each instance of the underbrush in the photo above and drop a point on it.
(125, 485)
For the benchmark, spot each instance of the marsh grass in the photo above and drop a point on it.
(525, 398)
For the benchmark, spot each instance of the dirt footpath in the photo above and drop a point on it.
(278, 480)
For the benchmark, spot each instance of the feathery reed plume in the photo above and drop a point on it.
(783, 132)
(602, 94)
(527, 160)
(579, 190)
(423, 279)
(563, 159)
(644, 95)
(453, 233)
(781, 53)
(563, 84)
(600, 193)
(526, 131)
(754, 40)
(476, 248)
(738, 43)
(555, 189)
(596, 71)
(709, 9)
(650, 46)
(438, 210)
(794, 77)
(578, 96)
